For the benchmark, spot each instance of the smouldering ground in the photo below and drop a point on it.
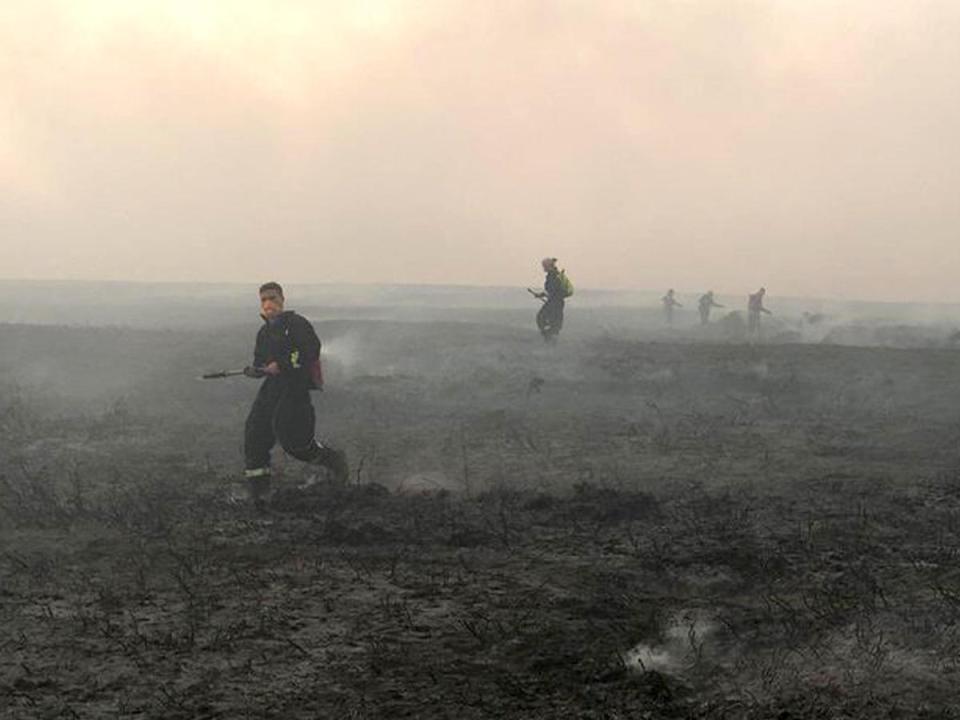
(608, 529)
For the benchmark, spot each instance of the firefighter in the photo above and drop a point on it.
(755, 309)
(287, 355)
(669, 302)
(556, 289)
(705, 305)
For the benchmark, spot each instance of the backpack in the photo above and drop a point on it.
(566, 283)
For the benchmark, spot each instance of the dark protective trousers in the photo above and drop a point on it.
(282, 412)
(550, 318)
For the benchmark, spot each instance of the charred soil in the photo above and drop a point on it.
(604, 529)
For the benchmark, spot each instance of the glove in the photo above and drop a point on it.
(253, 372)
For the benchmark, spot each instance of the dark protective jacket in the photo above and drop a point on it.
(291, 341)
(755, 304)
(553, 286)
(707, 301)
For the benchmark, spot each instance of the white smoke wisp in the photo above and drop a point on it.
(680, 648)
(342, 355)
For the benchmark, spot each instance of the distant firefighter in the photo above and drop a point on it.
(705, 305)
(755, 308)
(669, 303)
(556, 289)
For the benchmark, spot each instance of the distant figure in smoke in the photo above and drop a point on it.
(287, 354)
(669, 303)
(556, 289)
(705, 305)
(755, 308)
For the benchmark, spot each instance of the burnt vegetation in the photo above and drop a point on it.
(704, 531)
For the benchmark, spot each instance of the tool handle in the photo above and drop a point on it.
(221, 374)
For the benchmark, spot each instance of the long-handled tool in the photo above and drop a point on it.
(222, 374)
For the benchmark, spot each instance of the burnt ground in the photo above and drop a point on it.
(606, 529)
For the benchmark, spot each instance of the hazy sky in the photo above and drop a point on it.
(809, 145)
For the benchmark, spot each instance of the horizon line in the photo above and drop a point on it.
(460, 286)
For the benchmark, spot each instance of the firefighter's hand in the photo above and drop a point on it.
(252, 372)
(272, 368)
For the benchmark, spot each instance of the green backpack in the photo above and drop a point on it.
(566, 283)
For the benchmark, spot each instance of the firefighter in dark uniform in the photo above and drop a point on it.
(287, 355)
(669, 302)
(550, 316)
(755, 309)
(705, 305)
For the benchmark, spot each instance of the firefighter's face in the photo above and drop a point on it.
(271, 304)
